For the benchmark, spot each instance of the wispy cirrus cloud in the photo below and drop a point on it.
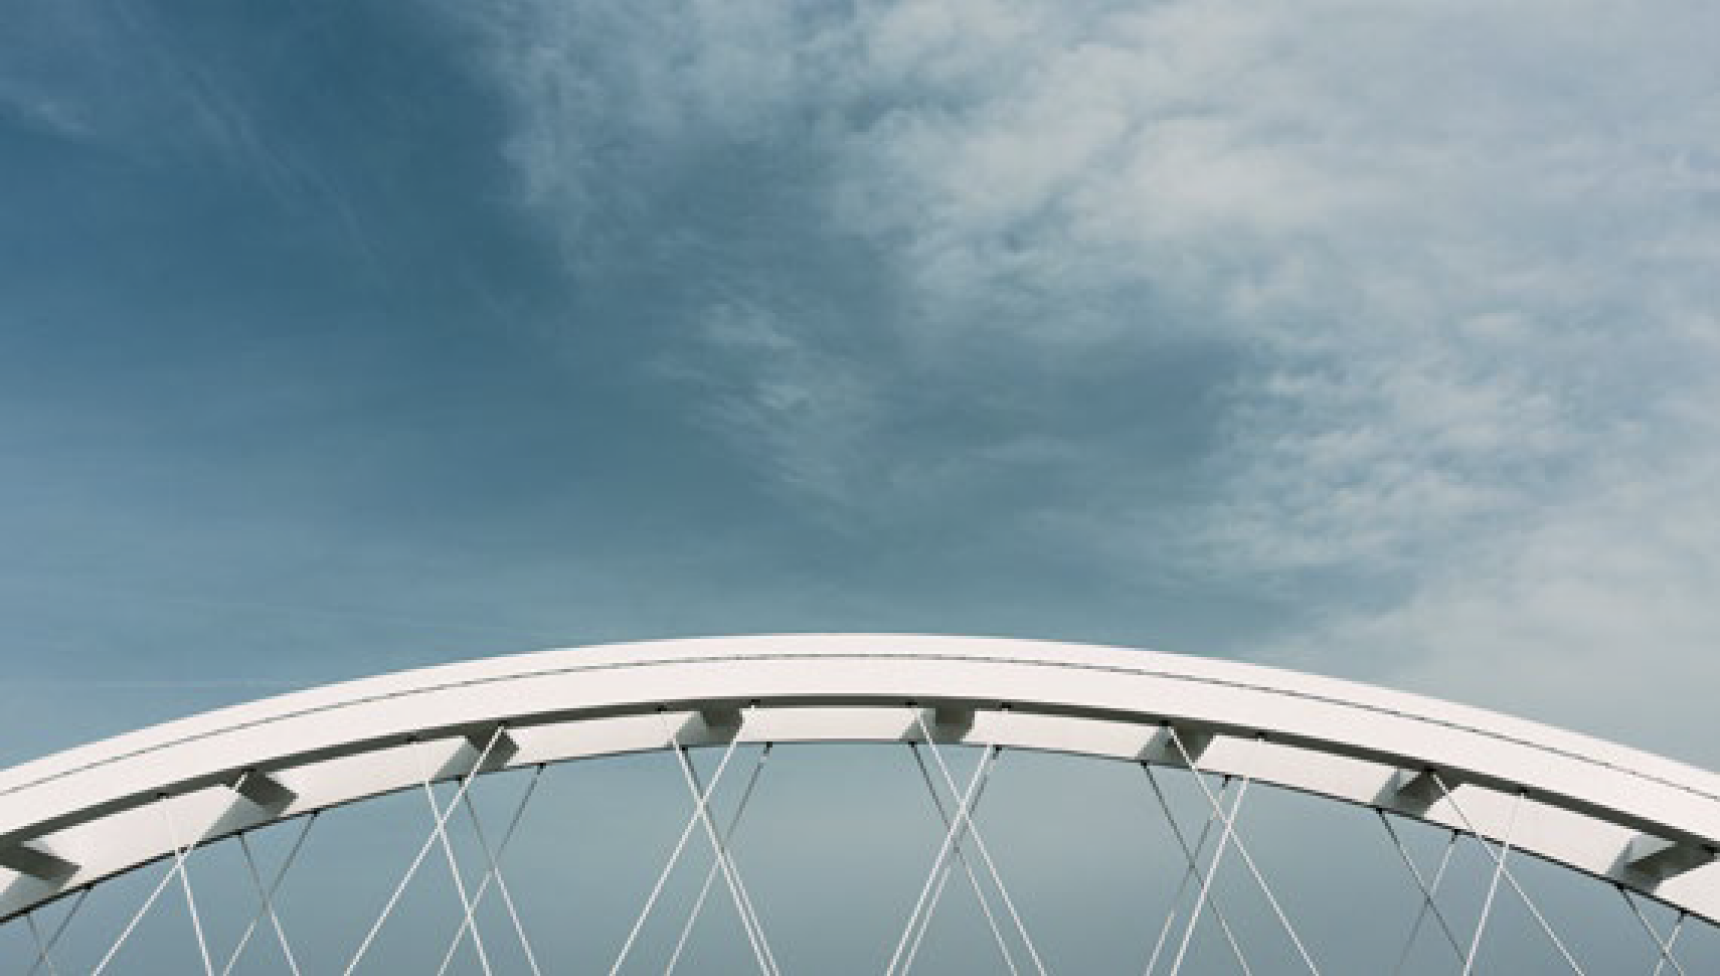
(1276, 296)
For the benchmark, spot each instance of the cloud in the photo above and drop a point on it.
(1397, 312)
(1598, 613)
(801, 409)
(1428, 282)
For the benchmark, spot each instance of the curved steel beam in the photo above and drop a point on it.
(1648, 823)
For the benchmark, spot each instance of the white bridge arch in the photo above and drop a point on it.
(1646, 823)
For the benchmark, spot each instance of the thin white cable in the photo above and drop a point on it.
(1492, 888)
(469, 908)
(1427, 893)
(967, 867)
(956, 853)
(1510, 878)
(267, 906)
(925, 924)
(494, 872)
(136, 918)
(1664, 947)
(469, 921)
(734, 870)
(1189, 873)
(944, 876)
(1247, 859)
(59, 930)
(712, 872)
(669, 867)
(41, 944)
(971, 829)
(1422, 913)
(148, 903)
(1193, 871)
(731, 874)
(177, 870)
(1677, 930)
(423, 852)
(981, 769)
(984, 852)
(1226, 834)
(181, 855)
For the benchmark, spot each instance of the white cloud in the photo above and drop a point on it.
(803, 410)
(1462, 254)
(1599, 614)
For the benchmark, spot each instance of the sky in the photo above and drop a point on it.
(1381, 341)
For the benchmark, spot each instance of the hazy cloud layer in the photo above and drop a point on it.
(1407, 313)
(1381, 342)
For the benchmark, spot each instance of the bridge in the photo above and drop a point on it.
(73, 823)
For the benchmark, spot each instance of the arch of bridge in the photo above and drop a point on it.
(73, 819)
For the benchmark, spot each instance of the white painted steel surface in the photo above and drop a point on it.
(72, 819)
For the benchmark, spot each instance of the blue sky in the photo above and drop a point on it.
(341, 338)
(1378, 340)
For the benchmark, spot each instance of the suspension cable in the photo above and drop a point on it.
(41, 945)
(966, 865)
(731, 874)
(1677, 930)
(1191, 872)
(957, 823)
(125, 933)
(181, 855)
(669, 866)
(980, 846)
(447, 845)
(423, 852)
(1428, 904)
(1492, 887)
(266, 908)
(1665, 956)
(1224, 838)
(493, 873)
(944, 875)
(1510, 878)
(711, 874)
(1247, 859)
(45, 948)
